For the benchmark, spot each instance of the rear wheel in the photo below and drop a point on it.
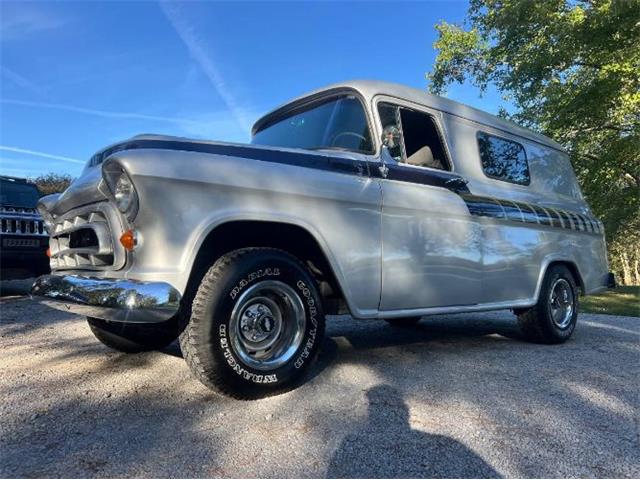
(403, 322)
(256, 324)
(132, 338)
(554, 317)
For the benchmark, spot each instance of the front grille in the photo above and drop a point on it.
(83, 239)
(21, 221)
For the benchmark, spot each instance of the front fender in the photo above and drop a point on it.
(180, 206)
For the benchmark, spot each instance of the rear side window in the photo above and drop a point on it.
(503, 159)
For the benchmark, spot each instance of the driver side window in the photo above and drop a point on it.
(412, 137)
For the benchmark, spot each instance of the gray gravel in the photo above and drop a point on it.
(456, 396)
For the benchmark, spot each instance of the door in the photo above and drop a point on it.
(431, 250)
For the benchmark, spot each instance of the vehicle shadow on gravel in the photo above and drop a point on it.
(385, 445)
(430, 329)
(380, 402)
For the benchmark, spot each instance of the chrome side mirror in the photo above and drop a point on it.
(385, 157)
(390, 136)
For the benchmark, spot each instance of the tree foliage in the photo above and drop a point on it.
(571, 69)
(52, 183)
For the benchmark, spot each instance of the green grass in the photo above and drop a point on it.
(619, 301)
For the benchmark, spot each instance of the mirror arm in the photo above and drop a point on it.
(383, 168)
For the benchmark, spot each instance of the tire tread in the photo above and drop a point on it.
(198, 358)
(535, 326)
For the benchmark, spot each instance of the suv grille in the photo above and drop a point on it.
(83, 239)
(21, 221)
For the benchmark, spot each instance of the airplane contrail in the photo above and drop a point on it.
(101, 113)
(198, 52)
(41, 154)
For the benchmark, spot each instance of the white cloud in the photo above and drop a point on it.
(201, 55)
(20, 81)
(23, 19)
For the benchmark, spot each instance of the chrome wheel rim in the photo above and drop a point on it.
(267, 325)
(561, 303)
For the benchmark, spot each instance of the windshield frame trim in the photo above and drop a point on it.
(308, 103)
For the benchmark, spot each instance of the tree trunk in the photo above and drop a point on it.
(626, 271)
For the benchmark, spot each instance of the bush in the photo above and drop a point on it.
(52, 183)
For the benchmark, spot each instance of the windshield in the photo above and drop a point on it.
(18, 194)
(339, 124)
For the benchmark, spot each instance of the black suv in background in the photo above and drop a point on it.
(23, 238)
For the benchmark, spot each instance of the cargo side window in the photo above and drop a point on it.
(413, 137)
(503, 159)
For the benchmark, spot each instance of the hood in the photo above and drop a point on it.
(18, 193)
(82, 191)
(90, 188)
(87, 187)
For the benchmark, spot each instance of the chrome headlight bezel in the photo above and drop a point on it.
(122, 190)
(123, 193)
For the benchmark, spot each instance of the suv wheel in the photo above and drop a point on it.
(554, 317)
(256, 323)
(132, 338)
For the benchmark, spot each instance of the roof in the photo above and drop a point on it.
(370, 88)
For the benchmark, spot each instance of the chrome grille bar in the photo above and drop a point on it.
(83, 238)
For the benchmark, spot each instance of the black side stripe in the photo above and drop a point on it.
(396, 171)
(309, 160)
(552, 217)
(421, 176)
(477, 205)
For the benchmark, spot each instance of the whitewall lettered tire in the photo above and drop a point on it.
(256, 323)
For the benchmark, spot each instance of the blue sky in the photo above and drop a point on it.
(78, 76)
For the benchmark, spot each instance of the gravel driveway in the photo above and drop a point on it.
(456, 396)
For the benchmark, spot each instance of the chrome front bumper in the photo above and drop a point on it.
(117, 300)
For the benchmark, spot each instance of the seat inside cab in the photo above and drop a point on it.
(414, 137)
(421, 140)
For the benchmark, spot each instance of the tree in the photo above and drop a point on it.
(571, 70)
(52, 183)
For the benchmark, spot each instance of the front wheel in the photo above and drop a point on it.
(256, 324)
(554, 317)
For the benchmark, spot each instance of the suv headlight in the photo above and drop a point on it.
(122, 190)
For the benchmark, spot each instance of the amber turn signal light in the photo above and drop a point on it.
(128, 240)
(49, 252)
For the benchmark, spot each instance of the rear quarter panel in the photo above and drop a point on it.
(515, 255)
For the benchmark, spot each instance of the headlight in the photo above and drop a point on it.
(123, 193)
(122, 189)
